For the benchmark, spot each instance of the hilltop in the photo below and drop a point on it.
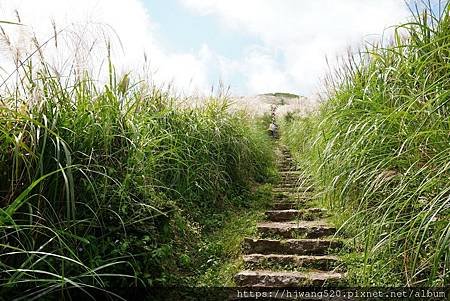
(286, 102)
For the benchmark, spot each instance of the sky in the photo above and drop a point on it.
(253, 46)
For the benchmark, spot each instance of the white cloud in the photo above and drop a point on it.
(295, 36)
(263, 73)
(304, 31)
(97, 21)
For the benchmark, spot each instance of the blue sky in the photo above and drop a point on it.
(183, 29)
(254, 46)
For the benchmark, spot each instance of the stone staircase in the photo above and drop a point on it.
(295, 244)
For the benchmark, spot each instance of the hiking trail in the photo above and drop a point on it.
(295, 245)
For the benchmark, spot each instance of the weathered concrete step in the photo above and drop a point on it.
(296, 177)
(291, 173)
(293, 179)
(291, 246)
(291, 262)
(288, 184)
(298, 195)
(286, 279)
(283, 194)
(292, 187)
(287, 168)
(293, 183)
(292, 214)
(285, 162)
(285, 153)
(285, 159)
(305, 229)
(278, 189)
(287, 205)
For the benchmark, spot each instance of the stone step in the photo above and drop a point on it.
(296, 178)
(277, 189)
(293, 179)
(287, 184)
(291, 246)
(280, 187)
(291, 173)
(293, 182)
(281, 215)
(297, 196)
(296, 182)
(286, 205)
(306, 229)
(283, 194)
(287, 168)
(284, 159)
(285, 162)
(263, 278)
(291, 187)
(293, 214)
(285, 165)
(287, 188)
(291, 262)
(285, 153)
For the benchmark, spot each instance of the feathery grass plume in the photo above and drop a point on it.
(379, 148)
(109, 185)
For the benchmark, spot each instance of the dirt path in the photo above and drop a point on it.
(295, 244)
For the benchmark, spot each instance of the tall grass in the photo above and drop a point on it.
(110, 186)
(379, 148)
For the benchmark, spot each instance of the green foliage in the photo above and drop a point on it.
(112, 186)
(219, 257)
(379, 148)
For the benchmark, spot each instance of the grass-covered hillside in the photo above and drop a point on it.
(379, 148)
(114, 185)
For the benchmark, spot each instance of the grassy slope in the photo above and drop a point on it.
(379, 148)
(115, 186)
(222, 248)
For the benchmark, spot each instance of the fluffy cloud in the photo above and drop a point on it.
(295, 37)
(90, 24)
(304, 33)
